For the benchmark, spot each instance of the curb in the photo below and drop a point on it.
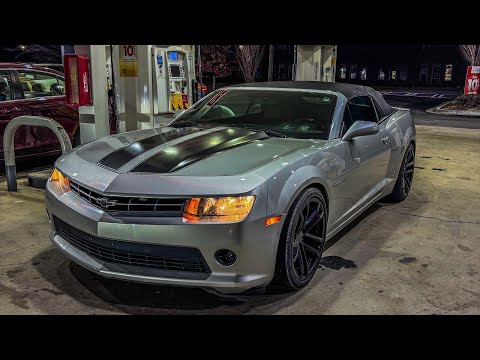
(39, 179)
(438, 111)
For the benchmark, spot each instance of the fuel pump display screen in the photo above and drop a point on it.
(175, 69)
(173, 56)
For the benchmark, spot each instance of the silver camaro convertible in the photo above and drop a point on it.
(243, 188)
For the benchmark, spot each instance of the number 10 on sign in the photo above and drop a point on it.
(472, 82)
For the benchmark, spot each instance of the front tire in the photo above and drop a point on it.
(405, 176)
(301, 242)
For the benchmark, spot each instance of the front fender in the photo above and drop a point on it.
(290, 175)
(284, 188)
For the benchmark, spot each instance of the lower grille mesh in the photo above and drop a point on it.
(144, 255)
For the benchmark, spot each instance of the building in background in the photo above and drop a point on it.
(283, 63)
(302, 62)
(401, 65)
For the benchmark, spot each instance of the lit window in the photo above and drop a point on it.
(394, 74)
(363, 73)
(449, 72)
(353, 71)
(381, 74)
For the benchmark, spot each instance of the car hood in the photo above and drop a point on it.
(178, 162)
(194, 151)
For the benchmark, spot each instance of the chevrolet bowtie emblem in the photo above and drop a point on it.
(105, 202)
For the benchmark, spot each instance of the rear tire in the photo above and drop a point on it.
(405, 176)
(301, 243)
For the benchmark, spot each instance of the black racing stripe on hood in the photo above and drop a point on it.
(120, 157)
(187, 152)
(220, 147)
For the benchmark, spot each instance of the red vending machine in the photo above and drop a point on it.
(77, 80)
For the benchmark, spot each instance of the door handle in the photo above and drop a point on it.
(385, 139)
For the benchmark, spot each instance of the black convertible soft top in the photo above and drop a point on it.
(348, 90)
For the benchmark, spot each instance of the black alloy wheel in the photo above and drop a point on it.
(405, 176)
(408, 168)
(301, 244)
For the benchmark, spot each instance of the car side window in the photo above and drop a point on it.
(346, 121)
(39, 84)
(61, 88)
(362, 109)
(380, 113)
(5, 86)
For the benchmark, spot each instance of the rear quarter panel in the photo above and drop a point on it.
(9, 110)
(34, 140)
(55, 108)
(401, 128)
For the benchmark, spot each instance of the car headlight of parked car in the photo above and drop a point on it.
(222, 209)
(60, 179)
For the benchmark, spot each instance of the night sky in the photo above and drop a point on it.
(31, 53)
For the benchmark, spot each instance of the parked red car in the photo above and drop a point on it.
(34, 90)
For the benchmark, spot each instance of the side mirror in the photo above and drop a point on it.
(361, 128)
(177, 113)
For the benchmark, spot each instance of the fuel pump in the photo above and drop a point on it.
(173, 74)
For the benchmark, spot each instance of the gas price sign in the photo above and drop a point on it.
(128, 61)
(472, 82)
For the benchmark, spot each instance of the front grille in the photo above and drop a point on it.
(131, 205)
(163, 257)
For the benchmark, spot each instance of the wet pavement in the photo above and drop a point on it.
(416, 257)
(418, 105)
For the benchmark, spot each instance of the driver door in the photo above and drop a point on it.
(367, 156)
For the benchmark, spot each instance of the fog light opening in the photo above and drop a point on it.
(225, 257)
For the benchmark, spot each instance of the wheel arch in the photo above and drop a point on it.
(281, 274)
(320, 187)
(314, 181)
(414, 143)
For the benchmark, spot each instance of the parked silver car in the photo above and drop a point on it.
(243, 188)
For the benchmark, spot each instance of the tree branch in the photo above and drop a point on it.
(249, 58)
(471, 53)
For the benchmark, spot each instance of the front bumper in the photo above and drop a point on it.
(254, 244)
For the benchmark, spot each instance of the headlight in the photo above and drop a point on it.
(62, 180)
(224, 209)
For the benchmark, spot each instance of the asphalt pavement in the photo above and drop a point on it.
(418, 105)
(419, 256)
(445, 94)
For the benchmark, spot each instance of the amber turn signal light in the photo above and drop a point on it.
(62, 180)
(273, 220)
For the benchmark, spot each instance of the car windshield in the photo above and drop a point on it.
(294, 113)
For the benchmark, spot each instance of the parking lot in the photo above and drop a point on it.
(416, 257)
